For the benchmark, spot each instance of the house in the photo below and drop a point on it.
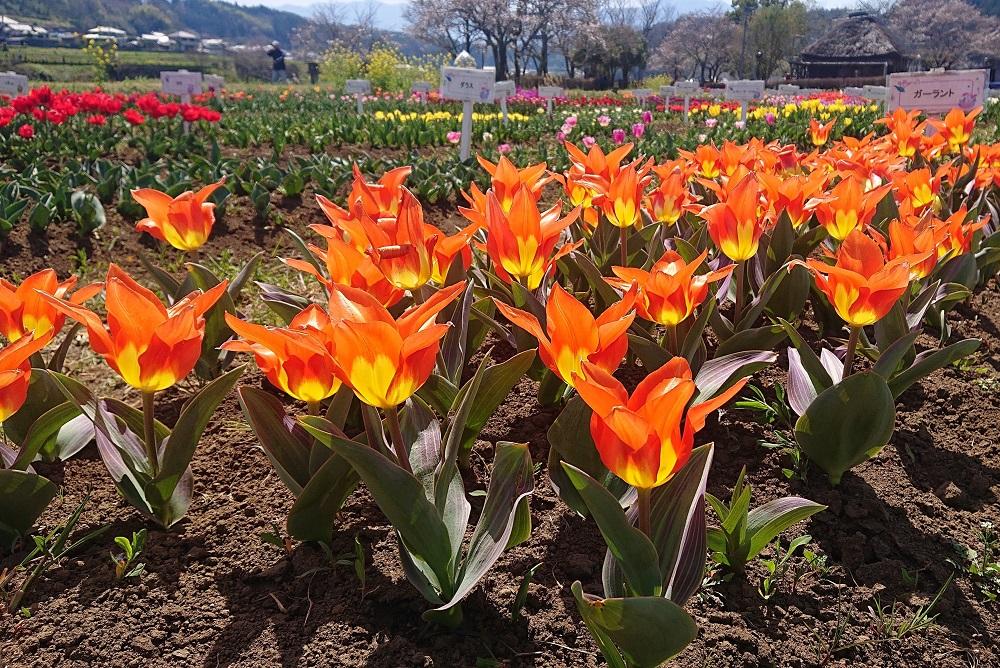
(105, 33)
(155, 41)
(858, 45)
(185, 41)
(213, 45)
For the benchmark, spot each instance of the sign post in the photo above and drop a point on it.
(936, 92)
(359, 88)
(686, 89)
(501, 91)
(182, 83)
(13, 84)
(468, 85)
(743, 91)
(421, 88)
(642, 94)
(549, 92)
(789, 89)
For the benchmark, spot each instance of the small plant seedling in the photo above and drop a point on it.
(787, 446)
(355, 560)
(50, 550)
(276, 538)
(522, 593)
(126, 564)
(768, 411)
(891, 625)
(778, 566)
(982, 565)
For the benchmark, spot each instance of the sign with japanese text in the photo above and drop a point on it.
(642, 93)
(667, 92)
(467, 84)
(744, 90)
(357, 86)
(422, 87)
(13, 85)
(686, 87)
(503, 89)
(181, 83)
(550, 91)
(937, 92)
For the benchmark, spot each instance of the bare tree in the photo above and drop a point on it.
(701, 45)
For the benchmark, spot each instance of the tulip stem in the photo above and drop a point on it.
(149, 428)
(739, 277)
(852, 346)
(397, 438)
(645, 513)
(624, 245)
(672, 338)
(314, 407)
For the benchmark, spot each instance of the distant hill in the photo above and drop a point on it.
(205, 17)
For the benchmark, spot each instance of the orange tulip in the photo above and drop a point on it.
(797, 196)
(521, 242)
(402, 248)
(737, 223)
(149, 345)
(862, 286)
(904, 131)
(295, 359)
(184, 222)
(958, 234)
(671, 290)
(849, 207)
(573, 336)
(707, 158)
(622, 201)
(668, 202)
(597, 167)
(378, 201)
(15, 373)
(385, 360)
(507, 179)
(641, 439)
(915, 237)
(448, 248)
(957, 127)
(346, 265)
(819, 133)
(917, 190)
(23, 311)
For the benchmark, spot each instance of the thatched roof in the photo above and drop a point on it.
(857, 36)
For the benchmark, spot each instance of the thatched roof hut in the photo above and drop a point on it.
(858, 45)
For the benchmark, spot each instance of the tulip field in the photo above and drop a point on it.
(285, 384)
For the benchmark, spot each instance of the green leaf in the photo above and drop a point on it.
(312, 515)
(570, 441)
(756, 338)
(722, 372)
(401, 498)
(61, 424)
(284, 441)
(510, 484)
(649, 352)
(639, 632)
(847, 423)
(178, 448)
(497, 382)
(634, 552)
(891, 356)
(24, 497)
(929, 361)
(765, 522)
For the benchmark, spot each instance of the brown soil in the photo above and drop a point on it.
(215, 594)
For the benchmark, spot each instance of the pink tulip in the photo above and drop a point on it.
(504, 148)
(589, 141)
(638, 130)
(604, 121)
(454, 137)
(647, 117)
(618, 136)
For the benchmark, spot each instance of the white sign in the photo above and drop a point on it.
(642, 93)
(667, 92)
(789, 89)
(937, 92)
(744, 90)
(503, 89)
(686, 87)
(13, 85)
(422, 87)
(550, 91)
(213, 82)
(181, 83)
(875, 92)
(854, 91)
(467, 84)
(357, 87)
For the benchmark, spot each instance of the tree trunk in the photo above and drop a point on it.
(500, 56)
(543, 55)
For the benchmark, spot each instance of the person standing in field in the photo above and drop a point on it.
(278, 73)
